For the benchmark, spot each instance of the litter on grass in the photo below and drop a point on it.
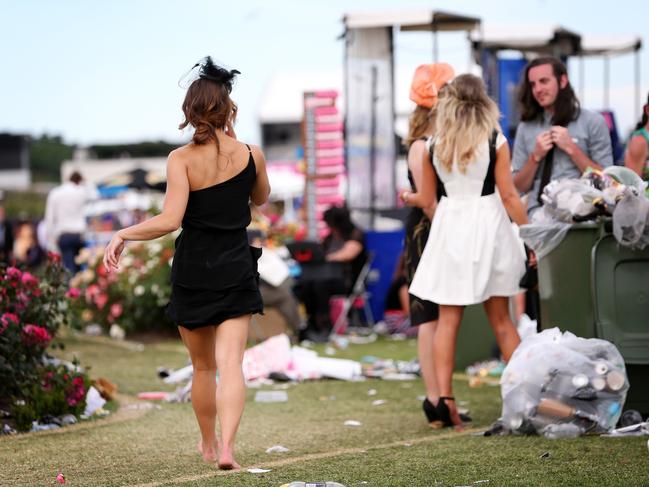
(277, 449)
(271, 396)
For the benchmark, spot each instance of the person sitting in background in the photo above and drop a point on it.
(397, 297)
(637, 151)
(26, 250)
(275, 284)
(344, 250)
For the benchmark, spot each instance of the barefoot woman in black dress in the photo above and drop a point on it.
(210, 182)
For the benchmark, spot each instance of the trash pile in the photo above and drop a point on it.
(559, 385)
(273, 359)
(616, 192)
(388, 369)
(485, 372)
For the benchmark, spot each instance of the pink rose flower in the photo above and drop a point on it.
(35, 335)
(101, 300)
(91, 292)
(73, 293)
(6, 319)
(29, 280)
(14, 273)
(116, 310)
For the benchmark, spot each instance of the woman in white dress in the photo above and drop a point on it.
(472, 254)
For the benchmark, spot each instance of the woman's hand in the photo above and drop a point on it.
(532, 259)
(113, 252)
(403, 196)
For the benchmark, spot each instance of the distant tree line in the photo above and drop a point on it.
(47, 153)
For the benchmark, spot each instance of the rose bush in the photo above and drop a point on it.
(134, 297)
(31, 311)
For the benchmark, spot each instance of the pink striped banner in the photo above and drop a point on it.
(329, 127)
(320, 182)
(328, 136)
(330, 110)
(326, 94)
(329, 144)
(329, 153)
(330, 161)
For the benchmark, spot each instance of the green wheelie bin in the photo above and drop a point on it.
(595, 288)
(475, 340)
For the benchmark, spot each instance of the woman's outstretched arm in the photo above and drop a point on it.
(167, 221)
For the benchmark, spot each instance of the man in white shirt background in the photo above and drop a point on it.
(64, 219)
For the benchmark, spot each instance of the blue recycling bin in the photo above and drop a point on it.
(386, 247)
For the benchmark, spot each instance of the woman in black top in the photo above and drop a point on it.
(427, 81)
(210, 182)
(344, 249)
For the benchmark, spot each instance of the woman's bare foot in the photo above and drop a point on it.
(209, 452)
(227, 461)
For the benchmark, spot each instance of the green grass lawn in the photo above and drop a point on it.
(393, 447)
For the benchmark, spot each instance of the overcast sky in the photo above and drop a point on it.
(99, 72)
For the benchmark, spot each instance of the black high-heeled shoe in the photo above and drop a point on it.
(431, 413)
(444, 414)
(434, 420)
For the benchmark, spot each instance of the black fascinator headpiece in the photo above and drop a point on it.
(206, 69)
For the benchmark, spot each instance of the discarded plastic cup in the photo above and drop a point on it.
(313, 484)
(562, 430)
(580, 380)
(615, 380)
(601, 368)
(630, 417)
(271, 396)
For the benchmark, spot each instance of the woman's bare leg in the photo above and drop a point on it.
(444, 344)
(231, 336)
(497, 309)
(425, 343)
(200, 343)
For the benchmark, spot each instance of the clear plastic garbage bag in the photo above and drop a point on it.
(560, 385)
(631, 220)
(543, 238)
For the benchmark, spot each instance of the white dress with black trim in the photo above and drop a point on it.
(473, 251)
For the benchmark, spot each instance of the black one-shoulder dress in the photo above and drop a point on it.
(214, 271)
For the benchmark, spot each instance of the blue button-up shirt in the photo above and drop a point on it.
(589, 132)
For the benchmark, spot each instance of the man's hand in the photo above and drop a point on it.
(543, 145)
(561, 138)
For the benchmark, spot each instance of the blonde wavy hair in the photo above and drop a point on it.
(421, 124)
(466, 117)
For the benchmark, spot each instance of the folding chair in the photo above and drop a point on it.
(359, 291)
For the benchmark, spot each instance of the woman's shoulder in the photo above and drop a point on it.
(181, 154)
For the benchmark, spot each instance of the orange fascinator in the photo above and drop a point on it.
(427, 81)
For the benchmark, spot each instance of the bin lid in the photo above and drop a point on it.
(621, 297)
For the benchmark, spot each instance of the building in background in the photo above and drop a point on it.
(14, 162)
